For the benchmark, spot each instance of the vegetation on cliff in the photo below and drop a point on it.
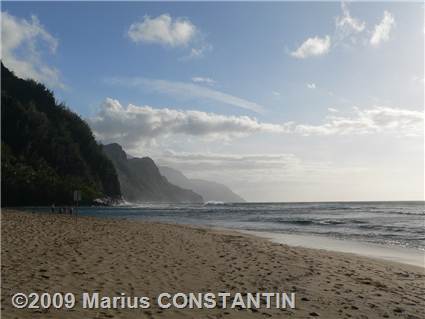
(47, 150)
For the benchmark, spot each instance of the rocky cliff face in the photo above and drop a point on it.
(141, 180)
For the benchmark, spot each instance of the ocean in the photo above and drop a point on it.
(394, 224)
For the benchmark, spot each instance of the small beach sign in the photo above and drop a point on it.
(77, 196)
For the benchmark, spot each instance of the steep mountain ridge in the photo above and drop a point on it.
(141, 181)
(47, 150)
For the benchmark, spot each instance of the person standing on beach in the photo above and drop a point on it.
(52, 208)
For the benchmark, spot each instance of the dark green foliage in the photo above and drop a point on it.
(47, 150)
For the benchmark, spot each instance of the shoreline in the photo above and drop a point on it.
(49, 252)
(396, 254)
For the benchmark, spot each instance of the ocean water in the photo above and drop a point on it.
(400, 224)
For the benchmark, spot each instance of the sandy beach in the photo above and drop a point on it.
(54, 253)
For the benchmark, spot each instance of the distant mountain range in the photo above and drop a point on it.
(141, 180)
(210, 191)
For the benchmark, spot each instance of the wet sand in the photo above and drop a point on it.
(409, 256)
(54, 253)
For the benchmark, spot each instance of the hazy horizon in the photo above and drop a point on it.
(281, 102)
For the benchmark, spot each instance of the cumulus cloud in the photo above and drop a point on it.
(378, 119)
(311, 85)
(133, 125)
(187, 91)
(28, 37)
(203, 80)
(315, 46)
(345, 27)
(382, 30)
(163, 30)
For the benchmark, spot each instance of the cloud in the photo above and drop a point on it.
(241, 171)
(276, 93)
(311, 85)
(133, 125)
(187, 91)
(333, 110)
(28, 37)
(348, 31)
(237, 169)
(346, 24)
(163, 30)
(198, 51)
(172, 32)
(231, 161)
(313, 47)
(382, 30)
(203, 80)
(379, 119)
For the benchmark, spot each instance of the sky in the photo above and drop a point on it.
(281, 101)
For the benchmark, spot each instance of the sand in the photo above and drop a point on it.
(410, 256)
(53, 253)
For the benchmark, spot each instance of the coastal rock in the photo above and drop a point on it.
(107, 201)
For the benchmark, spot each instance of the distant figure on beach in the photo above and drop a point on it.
(52, 208)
